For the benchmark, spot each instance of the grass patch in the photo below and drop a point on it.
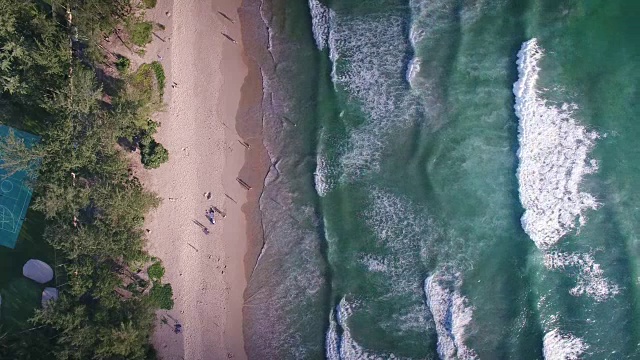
(147, 80)
(21, 296)
(162, 296)
(160, 77)
(149, 4)
(143, 83)
(140, 32)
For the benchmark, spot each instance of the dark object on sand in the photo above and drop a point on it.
(226, 17)
(244, 184)
(230, 198)
(177, 328)
(204, 228)
(213, 208)
(230, 38)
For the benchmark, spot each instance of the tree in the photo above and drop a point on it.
(17, 156)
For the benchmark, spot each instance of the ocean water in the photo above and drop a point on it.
(452, 179)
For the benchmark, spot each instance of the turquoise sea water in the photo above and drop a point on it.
(450, 179)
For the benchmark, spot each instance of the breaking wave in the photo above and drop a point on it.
(343, 346)
(554, 157)
(452, 315)
(320, 15)
(562, 346)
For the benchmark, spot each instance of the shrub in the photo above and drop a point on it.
(156, 271)
(162, 296)
(122, 64)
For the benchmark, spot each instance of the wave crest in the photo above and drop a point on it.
(452, 315)
(554, 157)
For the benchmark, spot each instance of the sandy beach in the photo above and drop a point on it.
(201, 50)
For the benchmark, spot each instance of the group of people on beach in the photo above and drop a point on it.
(210, 215)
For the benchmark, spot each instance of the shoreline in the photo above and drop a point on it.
(209, 273)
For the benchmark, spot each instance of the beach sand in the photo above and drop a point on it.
(208, 273)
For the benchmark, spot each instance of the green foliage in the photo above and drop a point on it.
(122, 64)
(34, 51)
(162, 296)
(140, 31)
(149, 4)
(156, 271)
(94, 208)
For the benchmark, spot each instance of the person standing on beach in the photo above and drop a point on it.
(210, 214)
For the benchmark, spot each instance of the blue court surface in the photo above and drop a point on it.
(15, 195)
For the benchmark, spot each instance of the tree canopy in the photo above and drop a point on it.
(94, 208)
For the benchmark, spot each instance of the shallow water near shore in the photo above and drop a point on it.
(449, 179)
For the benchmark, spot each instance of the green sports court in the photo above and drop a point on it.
(15, 195)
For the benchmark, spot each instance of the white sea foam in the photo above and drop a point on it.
(554, 157)
(368, 53)
(402, 234)
(413, 69)
(590, 278)
(321, 176)
(562, 346)
(320, 23)
(451, 314)
(375, 263)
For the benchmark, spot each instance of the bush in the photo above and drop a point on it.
(162, 296)
(140, 32)
(122, 64)
(153, 153)
(156, 271)
(149, 4)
